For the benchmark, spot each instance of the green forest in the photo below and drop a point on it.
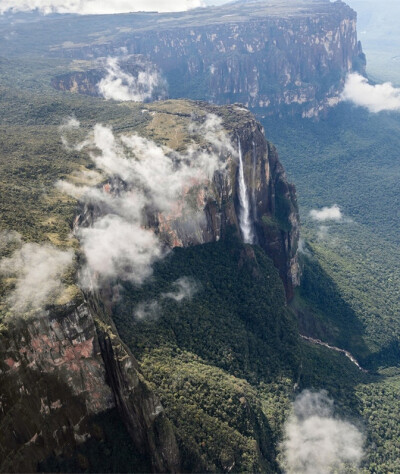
(228, 362)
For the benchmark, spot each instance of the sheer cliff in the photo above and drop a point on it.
(208, 208)
(72, 390)
(62, 374)
(281, 57)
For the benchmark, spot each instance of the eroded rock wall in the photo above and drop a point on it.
(289, 60)
(60, 370)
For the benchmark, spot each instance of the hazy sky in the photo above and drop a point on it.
(380, 8)
(99, 6)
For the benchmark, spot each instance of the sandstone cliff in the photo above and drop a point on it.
(66, 369)
(61, 370)
(209, 209)
(283, 57)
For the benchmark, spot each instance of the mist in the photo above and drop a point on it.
(94, 7)
(37, 271)
(184, 288)
(148, 310)
(8, 238)
(327, 214)
(315, 441)
(122, 86)
(140, 176)
(115, 247)
(375, 98)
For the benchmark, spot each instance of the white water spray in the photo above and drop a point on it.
(253, 191)
(244, 215)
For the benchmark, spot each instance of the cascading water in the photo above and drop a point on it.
(253, 191)
(244, 215)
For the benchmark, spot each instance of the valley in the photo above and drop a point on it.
(167, 293)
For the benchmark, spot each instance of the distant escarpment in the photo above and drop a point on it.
(281, 58)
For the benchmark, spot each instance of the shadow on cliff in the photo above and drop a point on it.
(236, 331)
(110, 449)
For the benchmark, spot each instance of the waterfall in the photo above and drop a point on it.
(253, 190)
(244, 215)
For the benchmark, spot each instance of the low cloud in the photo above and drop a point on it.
(327, 214)
(302, 248)
(142, 86)
(323, 232)
(316, 442)
(70, 123)
(68, 130)
(94, 7)
(37, 270)
(212, 131)
(375, 98)
(116, 247)
(149, 310)
(141, 179)
(184, 288)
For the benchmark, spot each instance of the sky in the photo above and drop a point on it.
(98, 6)
(120, 6)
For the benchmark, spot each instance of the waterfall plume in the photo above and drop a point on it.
(253, 190)
(244, 214)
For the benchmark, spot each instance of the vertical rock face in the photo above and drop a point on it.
(284, 57)
(209, 210)
(272, 200)
(60, 370)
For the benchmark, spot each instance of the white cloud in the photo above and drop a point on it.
(185, 288)
(302, 248)
(115, 247)
(70, 123)
(143, 179)
(68, 131)
(159, 172)
(316, 442)
(212, 131)
(163, 174)
(323, 232)
(375, 98)
(89, 7)
(327, 214)
(149, 310)
(128, 204)
(122, 86)
(38, 270)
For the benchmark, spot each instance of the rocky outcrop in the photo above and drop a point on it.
(84, 82)
(209, 210)
(146, 77)
(284, 57)
(65, 367)
(57, 373)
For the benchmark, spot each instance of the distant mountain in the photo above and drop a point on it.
(282, 57)
(158, 309)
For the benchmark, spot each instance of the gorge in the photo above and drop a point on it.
(189, 316)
